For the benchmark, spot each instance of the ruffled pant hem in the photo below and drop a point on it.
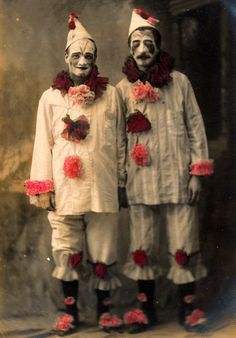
(65, 274)
(136, 272)
(180, 275)
(110, 282)
(106, 284)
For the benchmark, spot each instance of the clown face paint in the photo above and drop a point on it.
(143, 48)
(80, 59)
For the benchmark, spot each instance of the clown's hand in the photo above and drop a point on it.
(194, 189)
(44, 201)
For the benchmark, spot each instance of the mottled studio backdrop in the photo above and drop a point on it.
(201, 36)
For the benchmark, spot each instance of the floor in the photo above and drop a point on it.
(40, 327)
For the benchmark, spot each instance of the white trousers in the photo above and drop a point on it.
(181, 226)
(94, 234)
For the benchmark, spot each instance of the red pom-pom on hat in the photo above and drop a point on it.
(153, 21)
(72, 24)
(143, 14)
(73, 15)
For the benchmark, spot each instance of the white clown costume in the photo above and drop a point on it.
(79, 155)
(166, 146)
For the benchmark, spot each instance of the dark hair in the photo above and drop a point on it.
(155, 32)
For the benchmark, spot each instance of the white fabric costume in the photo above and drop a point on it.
(83, 173)
(95, 191)
(101, 152)
(173, 149)
(175, 141)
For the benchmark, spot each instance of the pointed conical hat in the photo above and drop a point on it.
(76, 31)
(140, 19)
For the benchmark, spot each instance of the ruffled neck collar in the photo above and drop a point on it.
(96, 83)
(158, 75)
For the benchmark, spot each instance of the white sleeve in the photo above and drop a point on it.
(41, 168)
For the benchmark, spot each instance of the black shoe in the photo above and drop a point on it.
(140, 327)
(136, 328)
(151, 315)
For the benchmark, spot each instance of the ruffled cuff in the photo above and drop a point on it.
(38, 187)
(204, 168)
(182, 274)
(66, 274)
(136, 272)
(109, 282)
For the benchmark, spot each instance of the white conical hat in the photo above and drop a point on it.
(140, 18)
(76, 30)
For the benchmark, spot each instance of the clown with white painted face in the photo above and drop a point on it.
(81, 57)
(78, 173)
(167, 153)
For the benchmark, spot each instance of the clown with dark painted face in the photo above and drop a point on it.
(77, 167)
(143, 48)
(167, 153)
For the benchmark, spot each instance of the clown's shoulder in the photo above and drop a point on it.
(177, 77)
(123, 83)
(110, 89)
(123, 87)
(109, 95)
(52, 96)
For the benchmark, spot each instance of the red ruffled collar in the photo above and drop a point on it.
(158, 75)
(96, 83)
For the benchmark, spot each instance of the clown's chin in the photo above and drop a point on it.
(79, 77)
(143, 64)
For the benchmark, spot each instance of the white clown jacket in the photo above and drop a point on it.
(176, 143)
(102, 152)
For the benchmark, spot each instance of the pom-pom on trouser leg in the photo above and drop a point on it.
(103, 302)
(148, 288)
(70, 291)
